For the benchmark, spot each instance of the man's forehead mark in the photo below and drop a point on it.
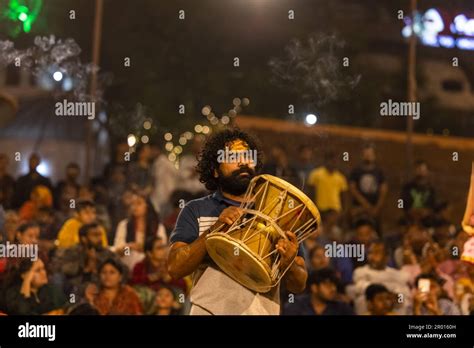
(238, 145)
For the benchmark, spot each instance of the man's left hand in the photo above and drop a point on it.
(287, 248)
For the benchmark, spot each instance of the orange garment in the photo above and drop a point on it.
(40, 197)
(125, 303)
(28, 211)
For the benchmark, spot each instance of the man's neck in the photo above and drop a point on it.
(233, 197)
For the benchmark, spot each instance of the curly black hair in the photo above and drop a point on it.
(210, 153)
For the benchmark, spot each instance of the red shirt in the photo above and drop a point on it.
(143, 269)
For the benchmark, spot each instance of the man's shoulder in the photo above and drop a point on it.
(201, 203)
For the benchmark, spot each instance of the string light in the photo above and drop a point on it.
(147, 124)
(131, 140)
(169, 146)
(168, 136)
(225, 120)
(145, 139)
(206, 110)
(198, 128)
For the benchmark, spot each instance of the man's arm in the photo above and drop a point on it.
(185, 258)
(295, 278)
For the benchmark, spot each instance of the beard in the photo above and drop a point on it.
(234, 183)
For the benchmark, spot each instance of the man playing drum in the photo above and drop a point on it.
(214, 292)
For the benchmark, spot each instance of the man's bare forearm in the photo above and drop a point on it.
(185, 259)
(295, 278)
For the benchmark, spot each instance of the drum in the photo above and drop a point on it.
(246, 251)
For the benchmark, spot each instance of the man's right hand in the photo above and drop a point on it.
(230, 215)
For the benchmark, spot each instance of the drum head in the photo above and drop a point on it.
(238, 262)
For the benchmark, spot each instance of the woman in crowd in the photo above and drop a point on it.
(132, 233)
(41, 197)
(152, 271)
(113, 297)
(165, 302)
(29, 292)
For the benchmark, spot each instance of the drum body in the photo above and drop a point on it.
(246, 250)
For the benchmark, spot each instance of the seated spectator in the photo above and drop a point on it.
(116, 188)
(72, 174)
(27, 233)
(322, 297)
(318, 259)
(95, 193)
(85, 213)
(365, 234)
(380, 301)
(465, 289)
(69, 195)
(12, 221)
(78, 265)
(432, 301)
(152, 271)
(165, 302)
(377, 271)
(452, 265)
(30, 293)
(112, 297)
(414, 240)
(331, 229)
(40, 197)
(48, 227)
(132, 233)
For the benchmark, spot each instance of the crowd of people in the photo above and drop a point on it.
(103, 246)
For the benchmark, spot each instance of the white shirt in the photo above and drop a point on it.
(121, 239)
